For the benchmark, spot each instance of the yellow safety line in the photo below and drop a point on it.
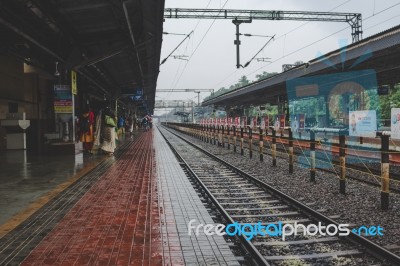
(20, 217)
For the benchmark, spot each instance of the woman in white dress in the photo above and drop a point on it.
(108, 133)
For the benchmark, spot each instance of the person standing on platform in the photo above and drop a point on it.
(130, 125)
(150, 120)
(108, 134)
(121, 126)
(145, 123)
(86, 123)
(99, 124)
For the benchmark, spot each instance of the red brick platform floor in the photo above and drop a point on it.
(116, 222)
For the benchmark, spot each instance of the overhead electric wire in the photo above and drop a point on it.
(373, 26)
(198, 45)
(308, 45)
(262, 48)
(169, 33)
(165, 59)
(296, 28)
(179, 66)
(177, 72)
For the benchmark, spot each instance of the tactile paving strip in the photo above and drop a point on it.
(180, 204)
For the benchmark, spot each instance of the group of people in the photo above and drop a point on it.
(105, 128)
(147, 122)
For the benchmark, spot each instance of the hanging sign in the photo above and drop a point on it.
(74, 87)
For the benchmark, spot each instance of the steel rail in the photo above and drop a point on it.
(335, 162)
(371, 247)
(257, 257)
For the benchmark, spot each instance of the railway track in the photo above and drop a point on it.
(371, 174)
(245, 200)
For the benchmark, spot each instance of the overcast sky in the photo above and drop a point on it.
(212, 62)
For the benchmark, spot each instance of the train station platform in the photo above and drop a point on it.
(131, 209)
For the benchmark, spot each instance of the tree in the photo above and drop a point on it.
(387, 102)
(265, 75)
(243, 81)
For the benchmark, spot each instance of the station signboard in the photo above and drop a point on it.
(362, 123)
(62, 99)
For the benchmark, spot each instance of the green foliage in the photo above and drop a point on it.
(269, 110)
(387, 102)
(265, 75)
(243, 81)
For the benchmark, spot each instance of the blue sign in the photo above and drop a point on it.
(137, 98)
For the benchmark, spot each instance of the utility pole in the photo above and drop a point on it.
(237, 41)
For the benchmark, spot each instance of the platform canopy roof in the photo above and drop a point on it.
(113, 44)
(380, 53)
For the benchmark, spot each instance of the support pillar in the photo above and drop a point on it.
(234, 138)
(273, 151)
(214, 134)
(241, 141)
(385, 172)
(251, 142)
(261, 145)
(223, 136)
(291, 158)
(229, 138)
(312, 156)
(342, 159)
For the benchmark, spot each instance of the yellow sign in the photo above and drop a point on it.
(63, 109)
(74, 88)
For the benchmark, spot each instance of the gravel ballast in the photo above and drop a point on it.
(359, 206)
